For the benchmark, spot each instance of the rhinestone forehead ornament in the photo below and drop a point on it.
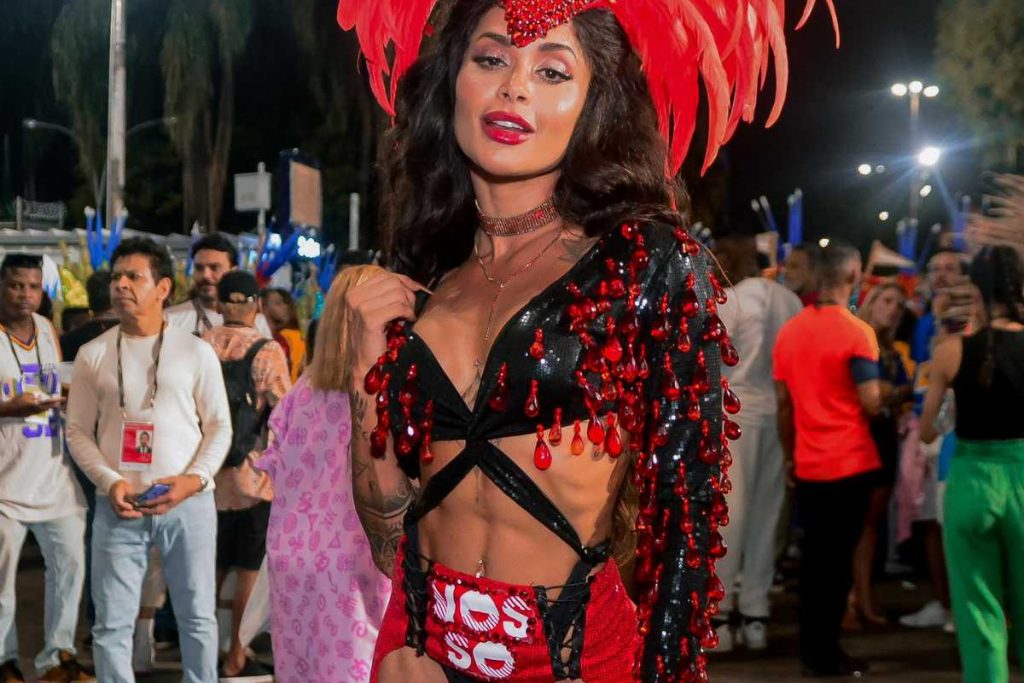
(529, 20)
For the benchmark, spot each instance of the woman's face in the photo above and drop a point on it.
(516, 108)
(887, 309)
(276, 308)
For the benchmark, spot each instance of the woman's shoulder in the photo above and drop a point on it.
(672, 253)
(658, 241)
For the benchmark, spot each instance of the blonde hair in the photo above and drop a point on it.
(330, 369)
(885, 337)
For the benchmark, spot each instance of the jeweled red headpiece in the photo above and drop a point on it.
(727, 44)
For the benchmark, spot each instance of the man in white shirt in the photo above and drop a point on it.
(145, 376)
(212, 255)
(755, 312)
(38, 491)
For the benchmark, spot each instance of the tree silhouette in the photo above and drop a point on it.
(980, 55)
(80, 49)
(203, 41)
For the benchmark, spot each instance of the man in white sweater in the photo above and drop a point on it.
(147, 377)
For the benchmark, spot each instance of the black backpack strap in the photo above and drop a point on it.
(257, 345)
(249, 358)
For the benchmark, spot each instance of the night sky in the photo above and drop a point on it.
(839, 114)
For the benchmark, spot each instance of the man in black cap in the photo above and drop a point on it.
(256, 378)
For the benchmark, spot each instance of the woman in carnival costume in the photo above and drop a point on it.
(541, 402)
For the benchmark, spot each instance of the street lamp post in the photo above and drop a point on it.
(34, 124)
(98, 183)
(913, 91)
(116, 113)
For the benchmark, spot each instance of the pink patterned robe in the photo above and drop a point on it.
(327, 598)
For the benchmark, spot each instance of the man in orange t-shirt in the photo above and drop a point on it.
(827, 383)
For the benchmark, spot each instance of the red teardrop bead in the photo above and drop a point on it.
(629, 369)
(373, 379)
(541, 454)
(717, 548)
(731, 401)
(498, 402)
(595, 432)
(426, 455)
(613, 442)
(643, 370)
(532, 407)
(576, 448)
(640, 259)
(693, 412)
(537, 347)
(555, 434)
(715, 328)
(729, 354)
(613, 350)
(670, 387)
(732, 430)
(690, 304)
(499, 399)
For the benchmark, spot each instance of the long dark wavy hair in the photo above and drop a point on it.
(998, 274)
(613, 170)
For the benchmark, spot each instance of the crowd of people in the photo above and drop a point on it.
(864, 413)
(164, 485)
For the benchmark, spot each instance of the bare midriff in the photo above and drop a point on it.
(478, 522)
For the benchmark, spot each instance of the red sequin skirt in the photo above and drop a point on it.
(487, 630)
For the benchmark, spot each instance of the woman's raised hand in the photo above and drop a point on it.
(370, 306)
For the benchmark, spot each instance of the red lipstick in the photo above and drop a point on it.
(506, 128)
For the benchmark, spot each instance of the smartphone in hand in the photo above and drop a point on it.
(150, 494)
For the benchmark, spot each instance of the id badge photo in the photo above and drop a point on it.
(137, 440)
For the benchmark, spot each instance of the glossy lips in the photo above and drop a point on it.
(506, 128)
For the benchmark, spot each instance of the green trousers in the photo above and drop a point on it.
(984, 534)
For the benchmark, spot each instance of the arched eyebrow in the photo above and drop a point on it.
(503, 40)
(496, 37)
(556, 47)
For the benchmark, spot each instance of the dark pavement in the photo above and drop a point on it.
(897, 655)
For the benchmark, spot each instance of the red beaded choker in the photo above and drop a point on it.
(534, 219)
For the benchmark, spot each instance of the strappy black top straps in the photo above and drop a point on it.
(513, 482)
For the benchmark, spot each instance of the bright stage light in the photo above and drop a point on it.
(929, 156)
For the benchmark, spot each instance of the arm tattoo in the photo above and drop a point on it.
(381, 514)
(381, 506)
(359, 413)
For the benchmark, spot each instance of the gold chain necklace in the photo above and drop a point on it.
(501, 283)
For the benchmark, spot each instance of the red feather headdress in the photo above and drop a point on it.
(727, 44)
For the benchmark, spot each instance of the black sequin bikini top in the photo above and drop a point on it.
(628, 337)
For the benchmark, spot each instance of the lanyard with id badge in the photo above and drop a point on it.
(137, 436)
(40, 380)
